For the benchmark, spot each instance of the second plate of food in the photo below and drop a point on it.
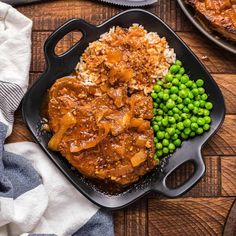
(122, 113)
(216, 20)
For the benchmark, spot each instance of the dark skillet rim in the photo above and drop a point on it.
(150, 187)
(222, 42)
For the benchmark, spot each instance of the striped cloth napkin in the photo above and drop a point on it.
(35, 198)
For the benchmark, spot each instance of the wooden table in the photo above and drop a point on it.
(204, 209)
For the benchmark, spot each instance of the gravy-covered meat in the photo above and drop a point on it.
(105, 137)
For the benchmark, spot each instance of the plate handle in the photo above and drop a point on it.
(193, 155)
(50, 44)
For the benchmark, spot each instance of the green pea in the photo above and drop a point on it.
(201, 121)
(171, 147)
(171, 120)
(170, 104)
(165, 109)
(182, 87)
(154, 111)
(206, 127)
(190, 106)
(165, 97)
(189, 84)
(169, 77)
(185, 110)
(194, 86)
(177, 131)
(164, 122)
(175, 81)
(201, 90)
(158, 118)
(204, 97)
(157, 88)
(160, 134)
(199, 130)
(159, 153)
(202, 103)
(195, 110)
(160, 82)
(174, 90)
(167, 136)
(195, 91)
(183, 93)
(178, 76)
(181, 71)
(208, 105)
(159, 146)
(175, 136)
(174, 69)
(185, 116)
(154, 95)
(180, 106)
(155, 105)
(190, 95)
(207, 119)
(174, 97)
(206, 113)
(165, 142)
(193, 119)
(184, 79)
(196, 103)
(180, 126)
(179, 100)
(199, 82)
(160, 94)
(176, 110)
(187, 101)
(187, 123)
(161, 105)
(198, 97)
(184, 136)
(160, 112)
(165, 150)
(170, 113)
(177, 142)
(178, 62)
(192, 134)
(171, 131)
(194, 126)
(155, 128)
(177, 117)
(155, 140)
(156, 157)
(187, 131)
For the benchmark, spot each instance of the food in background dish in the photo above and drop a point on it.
(100, 116)
(218, 15)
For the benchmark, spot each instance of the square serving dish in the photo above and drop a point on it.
(63, 65)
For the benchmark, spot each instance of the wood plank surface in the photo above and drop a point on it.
(51, 14)
(201, 216)
(228, 171)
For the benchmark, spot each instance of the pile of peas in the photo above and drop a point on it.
(181, 110)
